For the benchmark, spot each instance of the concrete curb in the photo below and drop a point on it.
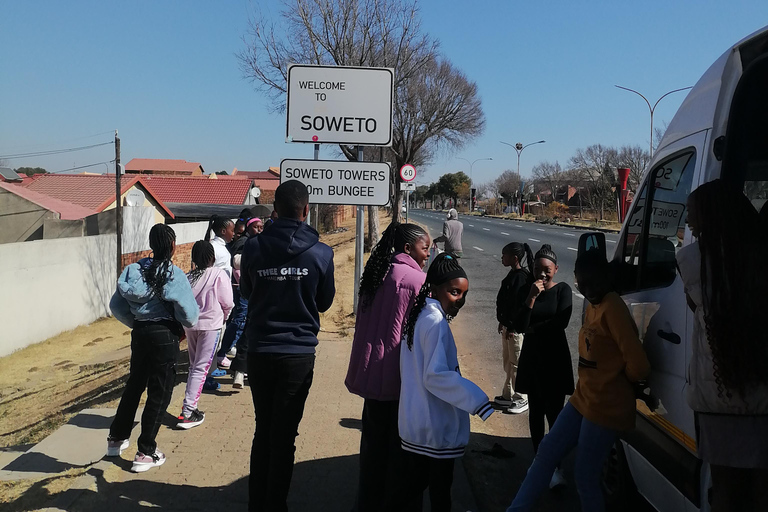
(561, 224)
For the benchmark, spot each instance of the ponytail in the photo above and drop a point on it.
(523, 253)
(203, 257)
(393, 240)
(156, 274)
(216, 224)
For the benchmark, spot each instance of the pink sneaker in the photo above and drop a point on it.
(224, 363)
(143, 462)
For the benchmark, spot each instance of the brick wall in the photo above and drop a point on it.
(182, 258)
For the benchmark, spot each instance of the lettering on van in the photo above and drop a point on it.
(666, 218)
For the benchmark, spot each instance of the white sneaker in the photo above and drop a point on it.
(224, 363)
(238, 382)
(143, 462)
(232, 353)
(558, 480)
(518, 406)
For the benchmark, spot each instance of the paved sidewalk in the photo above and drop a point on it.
(207, 466)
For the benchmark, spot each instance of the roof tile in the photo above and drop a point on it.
(201, 190)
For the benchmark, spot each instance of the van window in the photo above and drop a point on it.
(653, 235)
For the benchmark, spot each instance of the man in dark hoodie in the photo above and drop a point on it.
(287, 275)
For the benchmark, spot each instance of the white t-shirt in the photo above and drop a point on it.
(223, 257)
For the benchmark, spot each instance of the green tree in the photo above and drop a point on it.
(29, 171)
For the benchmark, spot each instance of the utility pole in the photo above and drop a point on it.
(118, 209)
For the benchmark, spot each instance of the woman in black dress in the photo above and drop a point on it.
(545, 371)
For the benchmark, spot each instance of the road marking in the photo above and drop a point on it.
(539, 229)
(495, 255)
(611, 241)
(572, 249)
(578, 295)
(503, 233)
(569, 234)
(486, 229)
(519, 225)
(478, 248)
(471, 225)
(534, 240)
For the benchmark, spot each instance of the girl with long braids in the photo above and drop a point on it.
(213, 294)
(435, 400)
(154, 299)
(508, 302)
(545, 371)
(724, 274)
(390, 282)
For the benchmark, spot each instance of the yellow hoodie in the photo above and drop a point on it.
(611, 358)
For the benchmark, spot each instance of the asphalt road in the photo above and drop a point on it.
(477, 338)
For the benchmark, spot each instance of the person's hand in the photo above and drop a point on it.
(536, 288)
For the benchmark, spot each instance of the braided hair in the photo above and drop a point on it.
(203, 257)
(216, 224)
(546, 252)
(731, 241)
(444, 268)
(523, 254)
(157, 272)
(393, 240)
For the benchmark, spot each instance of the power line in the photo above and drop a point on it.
(65, 141)
(54, 152)
(81, 167)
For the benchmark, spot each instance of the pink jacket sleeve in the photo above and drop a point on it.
(224, 293)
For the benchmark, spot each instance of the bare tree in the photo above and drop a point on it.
(595, 165)
(550, 174)
(508, 185)
(636, 159)
(434, 104)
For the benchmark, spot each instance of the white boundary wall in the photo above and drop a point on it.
(51, 286)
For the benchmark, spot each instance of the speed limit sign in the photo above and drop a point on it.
(408, 172)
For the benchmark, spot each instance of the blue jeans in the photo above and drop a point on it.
(236, 323)
(593, 444)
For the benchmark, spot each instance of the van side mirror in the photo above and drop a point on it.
(592, 242)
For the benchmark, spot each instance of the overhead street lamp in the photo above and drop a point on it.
(653, 108)
(519, 147)
(471, 183)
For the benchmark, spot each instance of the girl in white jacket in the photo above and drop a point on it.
(435, 400)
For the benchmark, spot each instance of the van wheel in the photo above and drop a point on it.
(618, 487)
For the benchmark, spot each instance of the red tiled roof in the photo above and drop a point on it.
(66, 211)
(88, 191)
(159, 164)
(200, 190)
(272, 174)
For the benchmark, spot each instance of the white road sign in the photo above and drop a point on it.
(339, 105)
(340, 182)
(410, 187)
(408, 172)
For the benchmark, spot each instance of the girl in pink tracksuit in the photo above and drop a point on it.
(213, 293)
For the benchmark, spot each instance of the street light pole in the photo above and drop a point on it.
(519, 147)
(471, 183)
(652, 109)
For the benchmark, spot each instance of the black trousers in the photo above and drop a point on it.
(419, 473)
(380, 456)
(279, 386)
(542, 404)
(154, 350)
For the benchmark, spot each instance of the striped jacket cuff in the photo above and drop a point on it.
(484, 411)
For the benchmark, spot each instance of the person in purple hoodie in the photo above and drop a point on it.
(388, 288)
(213, 294)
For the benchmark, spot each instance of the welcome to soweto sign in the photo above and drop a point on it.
(339, 182)
(339, 105)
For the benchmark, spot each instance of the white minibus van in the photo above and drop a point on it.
(720, 131)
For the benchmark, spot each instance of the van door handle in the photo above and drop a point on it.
(669, 336)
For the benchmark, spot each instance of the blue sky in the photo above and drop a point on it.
(165, 75)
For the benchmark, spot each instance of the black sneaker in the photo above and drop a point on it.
(194, 419)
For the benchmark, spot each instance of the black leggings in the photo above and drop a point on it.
(542, 404)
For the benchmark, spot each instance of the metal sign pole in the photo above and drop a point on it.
(407, 205)
(359, 235)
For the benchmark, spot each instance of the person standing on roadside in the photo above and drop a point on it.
(724, 275)
(612, 365)
(452, 231)
(545, 371)
(508, 303)
(389, 285)
(287, 274)
(155, 300)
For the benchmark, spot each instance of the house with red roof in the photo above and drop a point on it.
(163, 167)
(266, 181)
